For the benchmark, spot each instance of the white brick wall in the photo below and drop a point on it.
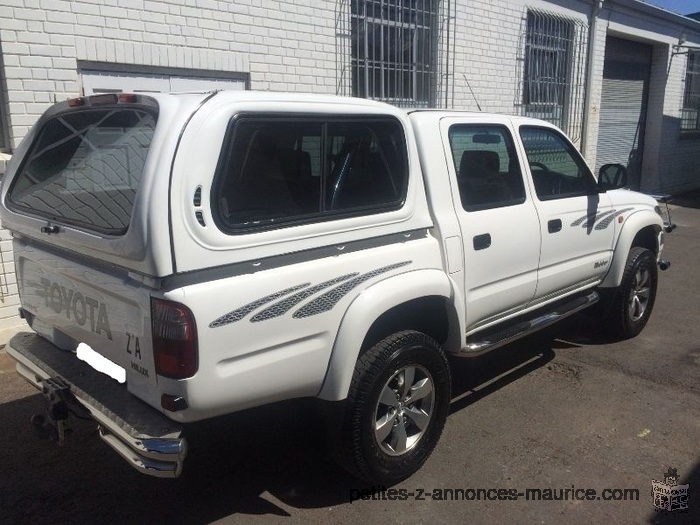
(655, 132)
(679, 158)
(596, 83)
(9, 298)
(486, 44)
(671, 162)
(280, 45)
(285, 46)
(291, 46)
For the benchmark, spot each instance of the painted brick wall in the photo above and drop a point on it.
(679, 157)
(281, 45)
(489, 51)
(486, 44)
(9, 298)
(656, 118)
(671, 162)
(291, 46)
(591, 139)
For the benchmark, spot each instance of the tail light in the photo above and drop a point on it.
(174, 339)
(103, 99)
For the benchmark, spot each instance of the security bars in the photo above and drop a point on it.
(392, 47)
(553, 79)
(690, 113)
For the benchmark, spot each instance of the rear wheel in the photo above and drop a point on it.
(396, 408)
(632, 302)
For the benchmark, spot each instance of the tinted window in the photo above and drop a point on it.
(84, 168)
(558, 171)
(488, 173)
(279, 170)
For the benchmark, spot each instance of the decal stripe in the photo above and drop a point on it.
(329, 299)
(286, 304)
(589, 217)
(321, 304)
(607, 221)
(240, 313)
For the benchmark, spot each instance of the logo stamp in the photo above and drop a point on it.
(667, 494)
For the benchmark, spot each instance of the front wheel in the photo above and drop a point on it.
(633, 301)
(396, 408)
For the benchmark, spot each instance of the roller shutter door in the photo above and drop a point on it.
(623, 105)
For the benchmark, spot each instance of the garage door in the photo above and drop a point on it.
(623, 105)
(115, 82)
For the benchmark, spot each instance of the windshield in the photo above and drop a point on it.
(84, 168)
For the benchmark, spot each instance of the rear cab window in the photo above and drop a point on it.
(280, 171)
(85, 165)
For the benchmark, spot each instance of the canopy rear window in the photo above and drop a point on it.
(84, 168)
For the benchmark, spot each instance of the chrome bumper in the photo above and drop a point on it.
(141, 435)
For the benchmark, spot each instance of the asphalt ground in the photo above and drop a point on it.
(560, 410)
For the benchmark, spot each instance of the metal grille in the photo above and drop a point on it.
(389, 50)
(553, 55)
(690, 114)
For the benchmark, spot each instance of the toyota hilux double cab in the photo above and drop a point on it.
(184, 256)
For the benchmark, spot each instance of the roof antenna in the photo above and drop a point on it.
(471, 90)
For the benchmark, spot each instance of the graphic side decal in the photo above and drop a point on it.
(240, 313)
(286, 304)
(329, 299)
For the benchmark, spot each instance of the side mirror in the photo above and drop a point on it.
(612, 177)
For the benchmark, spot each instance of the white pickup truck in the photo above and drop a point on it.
(224, 250)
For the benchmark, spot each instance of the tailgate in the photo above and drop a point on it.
(71, 301)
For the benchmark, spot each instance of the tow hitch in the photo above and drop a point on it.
(54, 424)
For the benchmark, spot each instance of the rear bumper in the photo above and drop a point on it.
(144, 437)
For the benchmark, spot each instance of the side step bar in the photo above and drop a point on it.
(483, 342)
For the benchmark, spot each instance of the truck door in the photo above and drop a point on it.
(577, 221)
(497, 218)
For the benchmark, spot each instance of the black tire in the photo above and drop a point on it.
(363, 450)
(631, 303)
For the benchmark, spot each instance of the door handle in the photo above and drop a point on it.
(554, 225)
(481, 242)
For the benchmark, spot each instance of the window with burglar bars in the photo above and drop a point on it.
(554, 70)
(690, 114)
(393, 51)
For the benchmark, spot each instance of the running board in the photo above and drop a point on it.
(481, 343)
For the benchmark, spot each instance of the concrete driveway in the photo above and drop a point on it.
(561, 414)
